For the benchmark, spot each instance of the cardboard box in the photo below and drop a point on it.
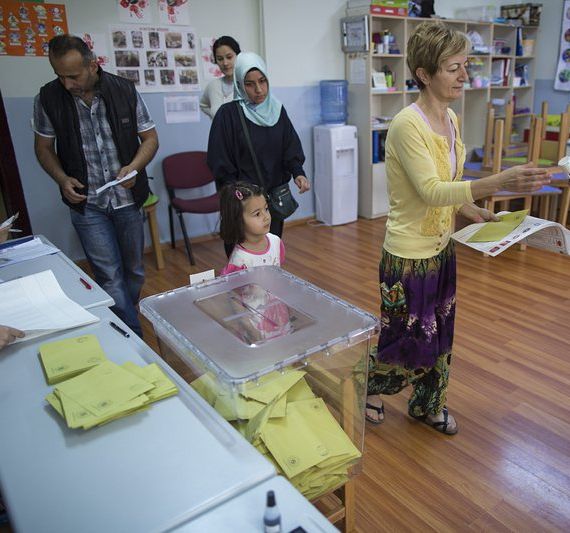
(526, 14)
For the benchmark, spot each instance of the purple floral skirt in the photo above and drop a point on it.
(417, 309)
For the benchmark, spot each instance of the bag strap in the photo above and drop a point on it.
(250, 146)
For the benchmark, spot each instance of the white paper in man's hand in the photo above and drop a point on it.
(9, 221)
(116, 182)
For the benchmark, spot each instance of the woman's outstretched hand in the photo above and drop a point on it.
(303, 183)
(524, 178)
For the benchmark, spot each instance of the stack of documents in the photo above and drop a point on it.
(36, 305)
(283, 419)
(12, 252)
(107, 392)
(67, 358)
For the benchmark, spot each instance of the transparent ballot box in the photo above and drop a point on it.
(282, 360)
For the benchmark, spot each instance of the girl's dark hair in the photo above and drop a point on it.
(231, 209)
(226, 40)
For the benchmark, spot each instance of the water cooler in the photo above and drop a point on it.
(336, 173)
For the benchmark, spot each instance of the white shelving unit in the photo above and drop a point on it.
(365, 102)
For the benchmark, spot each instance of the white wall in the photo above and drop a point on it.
(302, 41)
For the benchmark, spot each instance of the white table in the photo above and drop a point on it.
(245, 512)
(148, 472)
(68, 275)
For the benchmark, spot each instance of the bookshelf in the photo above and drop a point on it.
(366, 102)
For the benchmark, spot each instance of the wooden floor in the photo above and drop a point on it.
(508, 468)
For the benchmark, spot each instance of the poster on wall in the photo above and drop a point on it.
(179, 109)
(210, 69)
(156, 59)
(27, 27)
(137, 11)
(562, 79)
(174, 12)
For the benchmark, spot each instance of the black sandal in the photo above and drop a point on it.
(379, 410)
(442, 426)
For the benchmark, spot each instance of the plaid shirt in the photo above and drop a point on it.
(100, 152)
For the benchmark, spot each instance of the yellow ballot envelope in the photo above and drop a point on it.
(67, 358)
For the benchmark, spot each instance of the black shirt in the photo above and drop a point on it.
(277, 148)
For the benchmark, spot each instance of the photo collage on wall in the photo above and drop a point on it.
(156, 59)
(27, 27)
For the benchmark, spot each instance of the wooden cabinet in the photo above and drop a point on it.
(367, 103)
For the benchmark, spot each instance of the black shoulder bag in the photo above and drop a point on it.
(282, 204)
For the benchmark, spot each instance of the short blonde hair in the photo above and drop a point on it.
(431, 44)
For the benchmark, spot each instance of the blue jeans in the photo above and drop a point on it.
(113, 241)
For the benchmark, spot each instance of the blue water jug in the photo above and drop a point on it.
(334, 95)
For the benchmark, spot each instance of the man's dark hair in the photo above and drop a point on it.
(62, 44)
(226, 40)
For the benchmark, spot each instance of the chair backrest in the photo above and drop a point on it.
(498, 148)
(544, 116)
(556, 150)
(535, 140)
(186, 170)
(488, 146)
(509, 112)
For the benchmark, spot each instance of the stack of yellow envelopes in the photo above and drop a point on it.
(283, 419)
(108, 392)
(67, 358)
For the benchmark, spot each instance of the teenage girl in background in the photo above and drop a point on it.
(221, 90)
(244, 223)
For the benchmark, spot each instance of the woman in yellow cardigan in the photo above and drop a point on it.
(424, 164)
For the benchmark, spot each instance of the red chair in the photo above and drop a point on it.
(188, 170)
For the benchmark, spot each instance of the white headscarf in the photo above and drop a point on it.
(265, 114)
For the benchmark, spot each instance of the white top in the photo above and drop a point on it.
(272, 254)
(217, 93)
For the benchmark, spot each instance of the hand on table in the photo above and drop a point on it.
(8, 335)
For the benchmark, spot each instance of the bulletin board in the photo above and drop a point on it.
(27, 27)
(156, 59)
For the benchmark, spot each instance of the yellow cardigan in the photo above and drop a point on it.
(423, 197)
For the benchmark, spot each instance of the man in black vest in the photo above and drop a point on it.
(90, 128)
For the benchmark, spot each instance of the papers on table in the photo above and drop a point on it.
(107, 392)
(116, 182)
(535, 232)
(12, 252)
(283, 419)
(36, 305)
(67, 358)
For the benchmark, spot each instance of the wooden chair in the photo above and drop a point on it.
(501, 199)
(509, 148)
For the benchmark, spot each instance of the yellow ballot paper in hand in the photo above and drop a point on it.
(496, 231)
(67, 358)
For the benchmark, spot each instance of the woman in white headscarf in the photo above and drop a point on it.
(275, 142)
